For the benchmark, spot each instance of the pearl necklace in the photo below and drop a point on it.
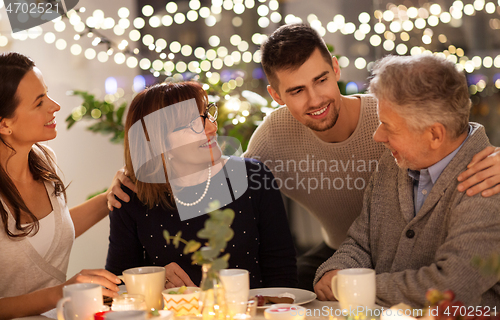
(202, 196)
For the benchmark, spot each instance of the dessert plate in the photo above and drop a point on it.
(301, 296)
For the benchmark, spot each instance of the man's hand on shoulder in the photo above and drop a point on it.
(482, 174)
(121, 178)
(323, 288)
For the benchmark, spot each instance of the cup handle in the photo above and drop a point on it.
(334, 287)
(121, 278)
(60, 307)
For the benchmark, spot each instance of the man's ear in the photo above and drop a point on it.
(336, 67)
(437, 134)
(276, 97)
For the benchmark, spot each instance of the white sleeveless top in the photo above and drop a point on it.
(42, 240)
(22, 268)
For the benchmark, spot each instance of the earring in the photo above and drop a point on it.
(10, 131)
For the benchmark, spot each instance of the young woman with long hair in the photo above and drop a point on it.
(37, 229)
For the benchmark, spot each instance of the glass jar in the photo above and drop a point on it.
(212, 299)
(128, 302)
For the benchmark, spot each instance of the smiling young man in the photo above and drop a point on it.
(320, 146)
(416, 230)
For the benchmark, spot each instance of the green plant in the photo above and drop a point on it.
(217, 231)
(109, 120)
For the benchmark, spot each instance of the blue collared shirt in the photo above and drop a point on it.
(424, 180)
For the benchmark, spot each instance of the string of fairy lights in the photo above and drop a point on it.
(113, 38)
(400, 20)
(214, 58)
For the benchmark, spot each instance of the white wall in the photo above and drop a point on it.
(89, 161)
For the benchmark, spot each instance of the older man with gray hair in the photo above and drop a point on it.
(416, 230)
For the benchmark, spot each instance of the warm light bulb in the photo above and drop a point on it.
(123, 12)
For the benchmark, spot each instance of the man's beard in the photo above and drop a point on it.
(403, 163)
(328, 123)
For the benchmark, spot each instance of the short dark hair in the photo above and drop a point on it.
(288, 48)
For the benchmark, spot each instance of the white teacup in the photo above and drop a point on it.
(148, 281)
(236, 284)
(80, 301)
(354, 288)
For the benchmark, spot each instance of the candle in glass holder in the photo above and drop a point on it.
(126, 302)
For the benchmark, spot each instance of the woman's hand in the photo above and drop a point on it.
(121, 178)
(102, 277)
(176, 277)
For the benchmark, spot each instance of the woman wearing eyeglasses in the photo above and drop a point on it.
(172, 153)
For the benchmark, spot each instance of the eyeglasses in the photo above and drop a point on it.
(210, 113)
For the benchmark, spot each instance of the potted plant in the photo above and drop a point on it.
(217, 231)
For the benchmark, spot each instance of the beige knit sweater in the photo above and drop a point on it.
(328, 179)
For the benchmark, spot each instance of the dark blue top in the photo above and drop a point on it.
(262, 243)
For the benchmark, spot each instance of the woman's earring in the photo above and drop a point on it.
(10, 131)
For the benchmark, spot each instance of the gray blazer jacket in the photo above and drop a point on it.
(433, 249)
